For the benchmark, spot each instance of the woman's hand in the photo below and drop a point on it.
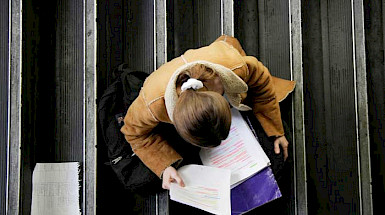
(284, 143)
(170, 175)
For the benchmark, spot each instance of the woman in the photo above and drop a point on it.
(187, 92)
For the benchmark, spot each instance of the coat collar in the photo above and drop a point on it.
(233, 85)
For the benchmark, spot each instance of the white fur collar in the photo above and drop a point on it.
(233, 85)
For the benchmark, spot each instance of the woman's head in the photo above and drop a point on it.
(201, 117)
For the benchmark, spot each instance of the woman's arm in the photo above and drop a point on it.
(233, 42)
(150, 147)
(261, 96)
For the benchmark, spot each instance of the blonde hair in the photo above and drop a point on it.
(201, 117)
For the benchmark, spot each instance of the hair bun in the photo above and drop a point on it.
(192, 83)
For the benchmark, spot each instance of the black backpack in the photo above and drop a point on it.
(112, 107)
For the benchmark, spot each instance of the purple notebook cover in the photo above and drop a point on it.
(254, 192)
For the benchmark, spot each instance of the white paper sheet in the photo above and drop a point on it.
(55, 189)
(207, 188)
(240, 152)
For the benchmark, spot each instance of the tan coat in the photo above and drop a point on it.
(247, 85)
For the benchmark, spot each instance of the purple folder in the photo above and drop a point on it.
(254, 192)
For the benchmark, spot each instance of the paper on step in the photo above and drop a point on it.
(55, 189)
(207, 188)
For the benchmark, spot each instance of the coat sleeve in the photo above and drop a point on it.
(149, 146)
(262, 97)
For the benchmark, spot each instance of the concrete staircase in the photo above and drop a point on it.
(56, 58)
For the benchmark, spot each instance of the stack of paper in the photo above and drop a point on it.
(240, 152)
(203, 189)
(55, 189)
